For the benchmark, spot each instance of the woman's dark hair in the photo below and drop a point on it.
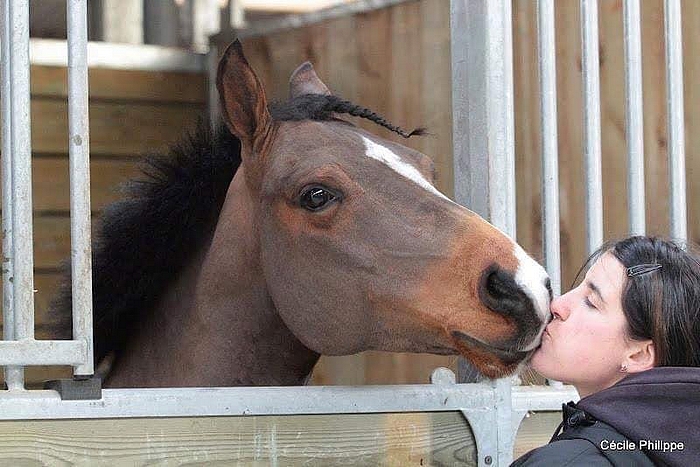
(660, 304)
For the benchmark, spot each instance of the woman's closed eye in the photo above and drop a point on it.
(589, 304)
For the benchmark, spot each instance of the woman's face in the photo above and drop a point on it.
(585, 343)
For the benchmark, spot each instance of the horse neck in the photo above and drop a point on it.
(217, 325)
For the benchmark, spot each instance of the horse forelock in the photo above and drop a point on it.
(320, 107)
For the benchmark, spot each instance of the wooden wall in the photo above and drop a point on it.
(392, 439)
(132, 113)
(397, 61)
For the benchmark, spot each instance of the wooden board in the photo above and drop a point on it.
(52, 184)
(396, 439)
(124, 85)
(116, 128)
(327, 440)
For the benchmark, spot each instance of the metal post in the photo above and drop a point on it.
(634, 117)
(14, 376)
(550, 153)
(675, 130)
(483, 138)
(591, 114)
(79, 154)
(22, 231)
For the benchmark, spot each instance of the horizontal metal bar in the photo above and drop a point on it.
(542, 397)
(293, 21)
(42, 352)
(52, 52)
(248, 401)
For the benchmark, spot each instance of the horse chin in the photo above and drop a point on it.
(493, 362)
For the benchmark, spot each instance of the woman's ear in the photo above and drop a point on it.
(642, 356)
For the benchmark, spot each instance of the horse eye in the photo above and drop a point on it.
(316, 198)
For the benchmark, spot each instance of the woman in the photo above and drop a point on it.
(628, 339)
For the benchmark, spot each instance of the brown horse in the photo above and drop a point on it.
(242, 258)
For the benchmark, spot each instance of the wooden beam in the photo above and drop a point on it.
(361, 439)
(289, 6)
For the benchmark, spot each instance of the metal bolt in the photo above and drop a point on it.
(488, 460)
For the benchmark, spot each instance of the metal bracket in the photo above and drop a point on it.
(78, 388)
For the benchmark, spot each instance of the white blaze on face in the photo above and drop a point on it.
(531, 277)
(388, 157)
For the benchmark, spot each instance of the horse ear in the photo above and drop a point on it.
(305, 81)
(243, 102)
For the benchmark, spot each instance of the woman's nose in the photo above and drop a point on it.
(559, 308)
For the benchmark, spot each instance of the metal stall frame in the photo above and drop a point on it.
(484, 163)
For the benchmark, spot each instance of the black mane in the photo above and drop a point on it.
(145, 240)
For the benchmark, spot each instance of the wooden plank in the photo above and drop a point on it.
(51, 182)
(124, 129)
(535, 430)
(325, 440)
(34, 377)
(134, 85)
(51, 241)
(527, 128)
(46, 285)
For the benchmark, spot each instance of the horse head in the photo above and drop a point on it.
(358, 249)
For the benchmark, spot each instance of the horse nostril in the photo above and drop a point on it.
(500, 293)
(498, 286)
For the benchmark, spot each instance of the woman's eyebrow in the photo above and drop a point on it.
(595, 290)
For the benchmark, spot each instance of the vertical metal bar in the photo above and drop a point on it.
(546, 53)
(79, 155)
(483, 138)
(22, 227)
(591, 116)
(507, 117)
(675, 130)
(14, 376)
(634, 117)
(550, 153)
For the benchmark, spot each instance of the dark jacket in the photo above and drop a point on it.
(645, 412)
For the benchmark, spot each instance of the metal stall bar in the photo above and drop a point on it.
(33, 352)
(22, 225)
(79, 155)
(591, 117)
(546, 53)
(483, 138)
(251, 401)
(14, 376)
(675, 129)
(634, 117)
(550, 154)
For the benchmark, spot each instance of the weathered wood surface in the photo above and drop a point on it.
(399, 439)
(122, 85)
(430, 439)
